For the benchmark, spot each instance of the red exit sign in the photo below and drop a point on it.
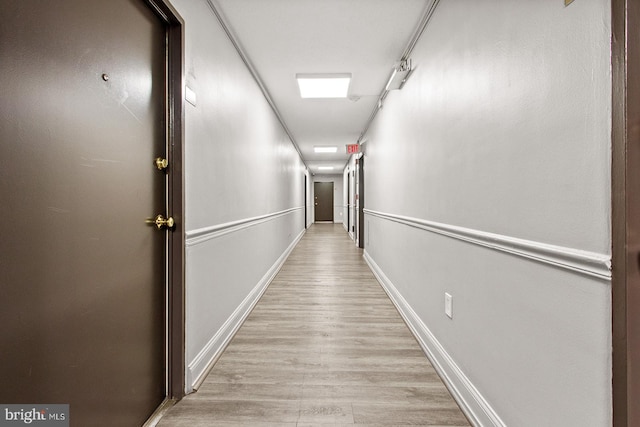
(353, 148)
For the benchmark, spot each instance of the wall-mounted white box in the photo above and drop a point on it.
(448, 305)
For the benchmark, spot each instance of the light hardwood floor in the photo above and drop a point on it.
(323, 347)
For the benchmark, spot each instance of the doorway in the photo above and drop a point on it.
(323, 201)
(88, 106)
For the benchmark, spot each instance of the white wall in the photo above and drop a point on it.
(338, 195)
(488, 177)
(244, 189)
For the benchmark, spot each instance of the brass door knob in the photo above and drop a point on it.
(161, 222)
(161, 163)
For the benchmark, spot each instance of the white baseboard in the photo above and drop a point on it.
(472, 403)
(160, 412)
(199, 368)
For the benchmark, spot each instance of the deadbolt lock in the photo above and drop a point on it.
(161, 222)
(161, 163)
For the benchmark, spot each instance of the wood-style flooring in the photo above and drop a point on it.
(323, 347)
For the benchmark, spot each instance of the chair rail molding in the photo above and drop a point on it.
(582, 262)
(200, 235)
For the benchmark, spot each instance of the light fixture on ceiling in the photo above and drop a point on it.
(325, 168)
(400, 75)
(323, 85)
(325, 149)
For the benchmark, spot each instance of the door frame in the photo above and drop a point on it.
(352, 209)
(175, 322)
(360, 201)
(348, 200)
(625, 193)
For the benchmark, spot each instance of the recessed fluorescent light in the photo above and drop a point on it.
(325, 149)
(325, 168)
(323, 85)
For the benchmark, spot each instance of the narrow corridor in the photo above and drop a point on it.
(324, 346)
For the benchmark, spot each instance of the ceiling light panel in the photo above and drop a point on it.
(317, 149)
(323, 85)
(325, 168)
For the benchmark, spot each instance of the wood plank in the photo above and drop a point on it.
(323, 346)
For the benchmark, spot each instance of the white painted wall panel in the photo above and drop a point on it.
(504, 128)
(239, 164)
(505, 124)
(531, 338)
(223, 271)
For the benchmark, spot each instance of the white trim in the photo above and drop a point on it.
(199, 368)
(583, 262)
(160, 412)
(200, 235)
(472, 403)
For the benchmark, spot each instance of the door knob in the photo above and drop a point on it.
(161, 163)
(161, 222)
(316, 204)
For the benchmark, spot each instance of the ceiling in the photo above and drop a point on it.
(282, 38)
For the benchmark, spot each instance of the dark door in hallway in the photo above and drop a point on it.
(626, 213)
(306, 221)
(360, 202)
(82, 301)
(323, 201)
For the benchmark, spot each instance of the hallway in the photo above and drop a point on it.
(323, 346)
(160, 160)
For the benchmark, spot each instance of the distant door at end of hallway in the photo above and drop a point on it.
(323, 201)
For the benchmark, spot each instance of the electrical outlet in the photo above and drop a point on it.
(448, 305)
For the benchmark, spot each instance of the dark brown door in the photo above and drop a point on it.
(360, 202)
(82, 117)
(305, 202)
(626, 212)
(323, 201)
